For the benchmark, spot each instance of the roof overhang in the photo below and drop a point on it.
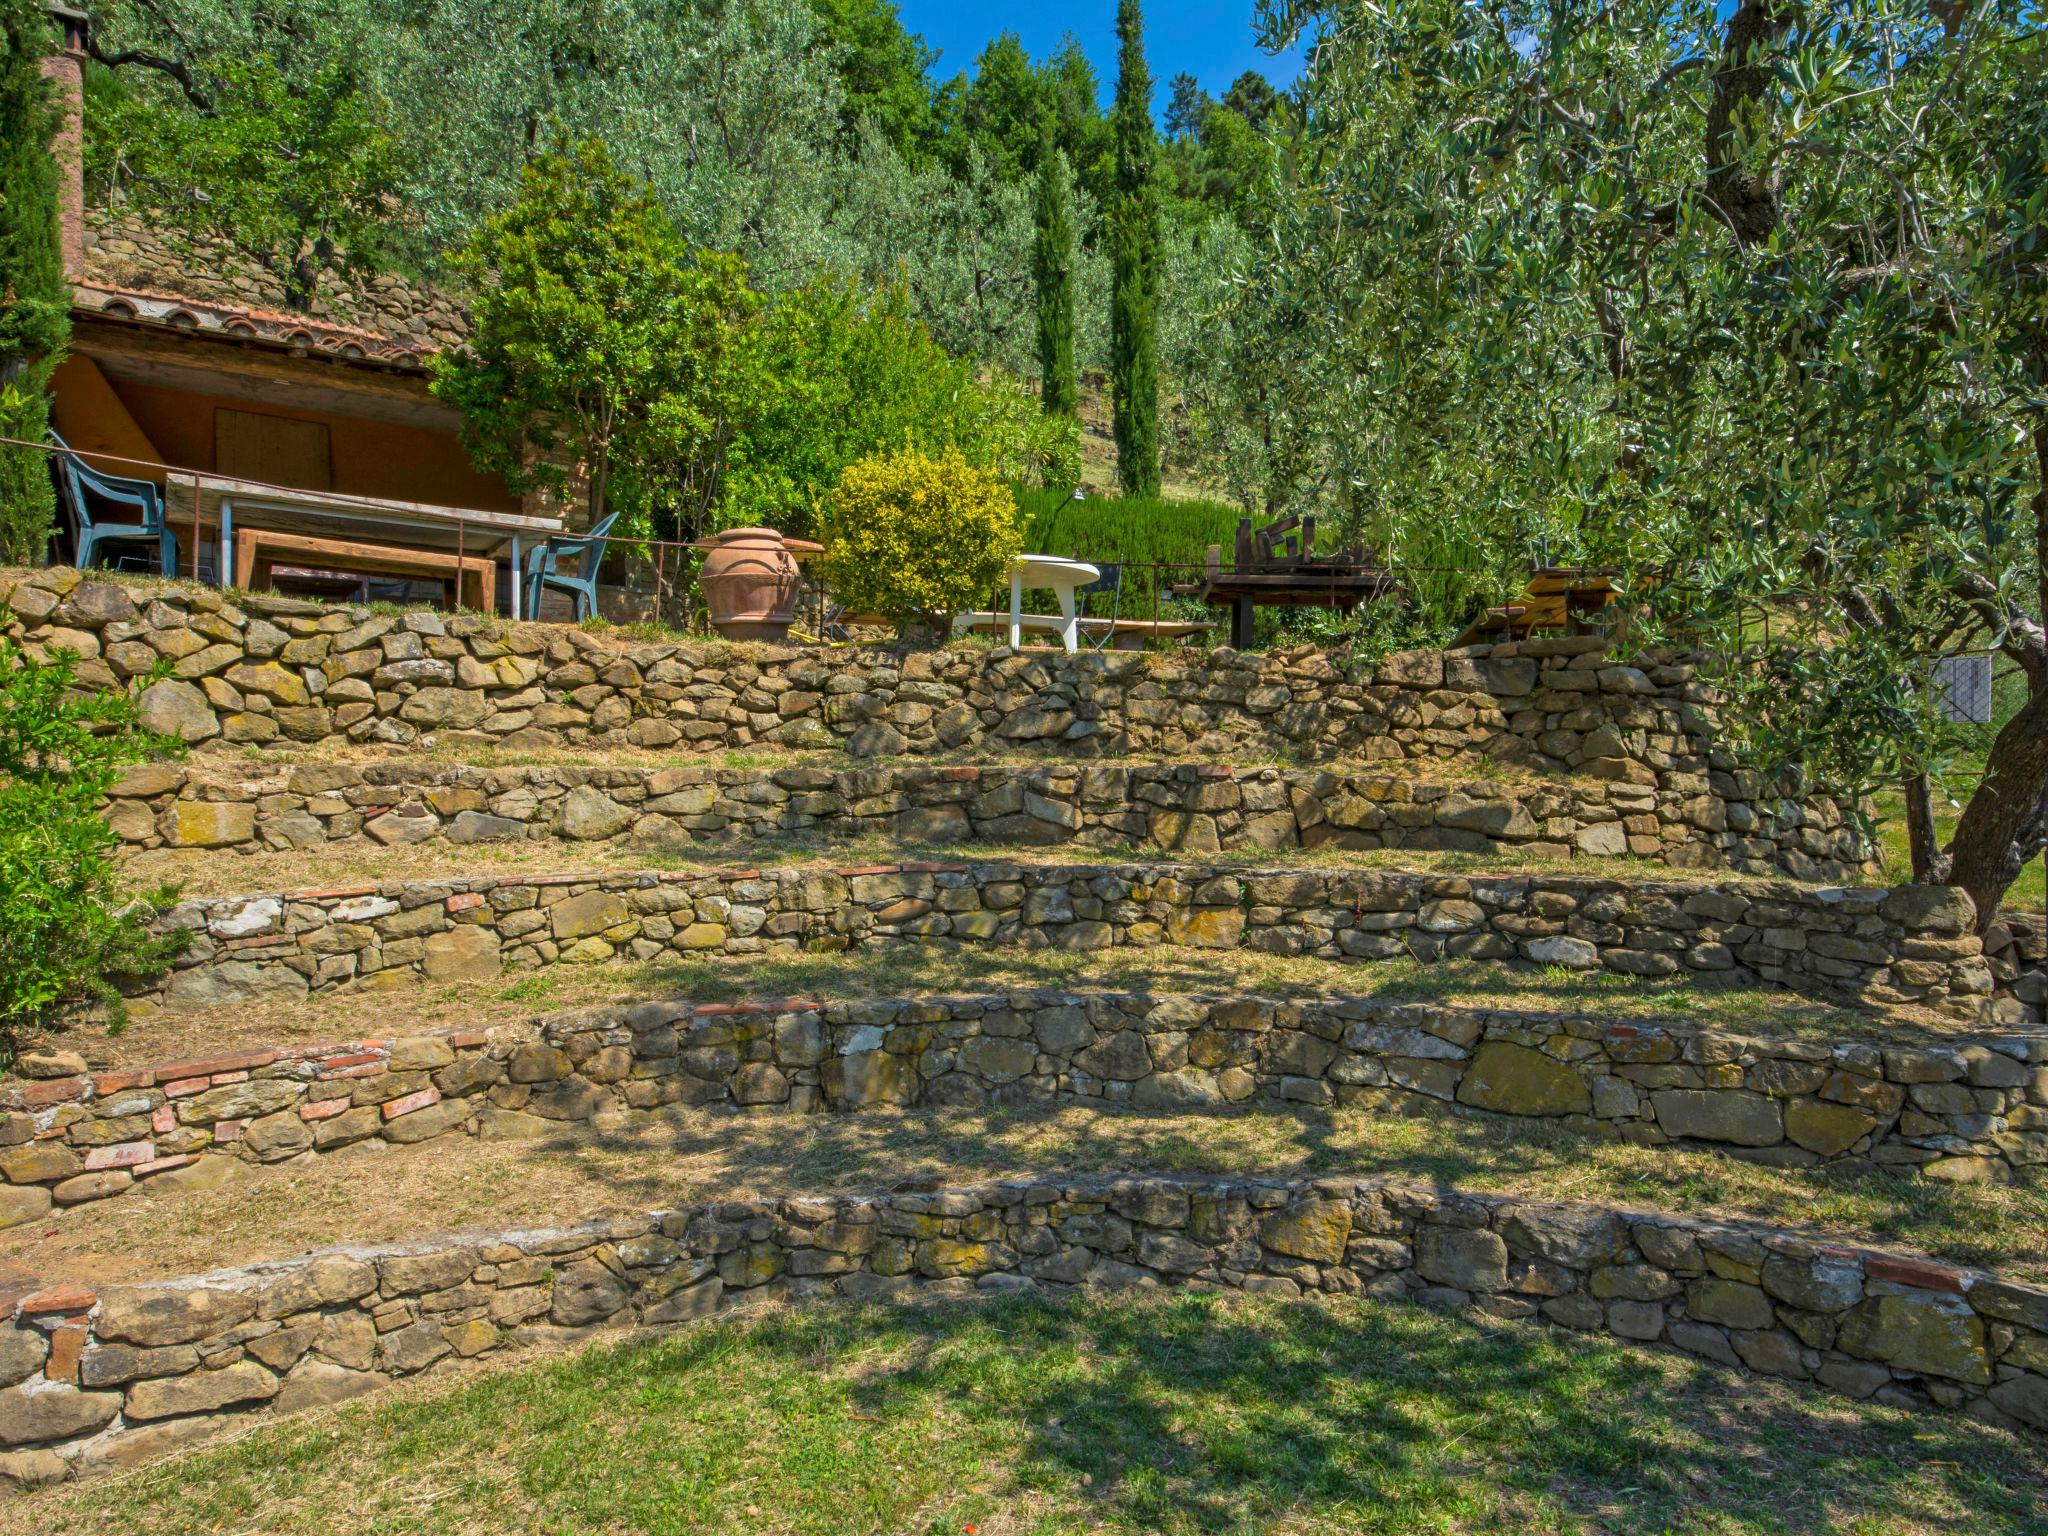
(298, 336)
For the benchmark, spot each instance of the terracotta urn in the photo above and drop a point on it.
(749, 582)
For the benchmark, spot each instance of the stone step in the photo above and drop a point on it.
(1712, 820)
(112, 1376)
(1911, 945)
(1962, 1109)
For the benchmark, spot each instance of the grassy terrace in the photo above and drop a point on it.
(907, 970)
(1176, 1413)
(203, 872)
(642, 1163)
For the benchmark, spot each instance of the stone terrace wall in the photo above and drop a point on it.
(89, 1377)
(1185, 808)
(1966, 1110)
(1912, 944)
(275, 670)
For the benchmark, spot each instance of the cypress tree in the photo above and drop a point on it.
(35, 300)
(1059, 390)
(1134, 256)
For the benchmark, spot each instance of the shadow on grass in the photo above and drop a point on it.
(1167, 969)
(1443, 1147)
(1177, 1413)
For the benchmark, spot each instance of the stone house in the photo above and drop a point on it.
(184, 355)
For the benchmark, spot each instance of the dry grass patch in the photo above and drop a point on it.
(643, 1162)
(930, 969)
(210, 872)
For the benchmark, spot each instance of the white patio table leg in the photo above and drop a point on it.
(517, 612)
(225, 573)
(1016, 610)
(1068, 626)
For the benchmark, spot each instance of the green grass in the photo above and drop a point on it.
(1177, 1413)
(2028, 893)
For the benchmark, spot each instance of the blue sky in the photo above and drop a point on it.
(1210, 39)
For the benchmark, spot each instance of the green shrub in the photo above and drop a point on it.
(918, 537)
(1135, 530)
(65, 933)
(844, 372)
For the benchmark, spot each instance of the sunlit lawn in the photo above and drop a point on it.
(1173, 1413)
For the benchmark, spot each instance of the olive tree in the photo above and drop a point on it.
(1751, 301)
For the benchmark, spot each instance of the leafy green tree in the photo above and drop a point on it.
(266, 128)
(294, 169)
(883, 72)
(599, 344)
(1059, 378)
(1252, 97)
(1134, 253)
(731, 111)
(961, 246)
(845, 372)
(1187, 104)
(1224, 165)
(1748, 300)
(1081, 132)
(1007, 110)
(66, 933)
(35, 300)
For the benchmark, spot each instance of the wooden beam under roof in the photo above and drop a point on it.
(216, 365)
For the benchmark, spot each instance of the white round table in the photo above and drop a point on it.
(1062, 576)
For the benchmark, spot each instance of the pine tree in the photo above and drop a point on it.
(34, 298)
(1134, 253)
(1059, 389)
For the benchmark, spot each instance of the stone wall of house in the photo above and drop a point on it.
(124, 249)
(1913, 944)
(94, 1376)
(277, 671)
(1958, 1109)
(1186, 808)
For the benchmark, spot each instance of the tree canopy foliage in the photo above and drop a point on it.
(1750, 302)
(599, 342)
(608, 348)
(803, 135)
(35, 299)
(1134, 259)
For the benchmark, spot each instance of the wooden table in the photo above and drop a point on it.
(201, 501)
(1277, 568)
(257, 550)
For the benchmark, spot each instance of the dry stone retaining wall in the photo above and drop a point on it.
(272, 670)
(1966, 1109)
(1186, 808)
(91, 1376)
(126, 249)
(1913, 944)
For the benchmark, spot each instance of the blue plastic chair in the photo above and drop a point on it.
(543, 568)
(80, 478)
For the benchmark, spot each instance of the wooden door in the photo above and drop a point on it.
(278, 450)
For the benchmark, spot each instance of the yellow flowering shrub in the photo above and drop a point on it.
(917, 536)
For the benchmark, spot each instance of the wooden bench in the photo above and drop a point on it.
(258, 550)
(1124, 634)
(1565, 599)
